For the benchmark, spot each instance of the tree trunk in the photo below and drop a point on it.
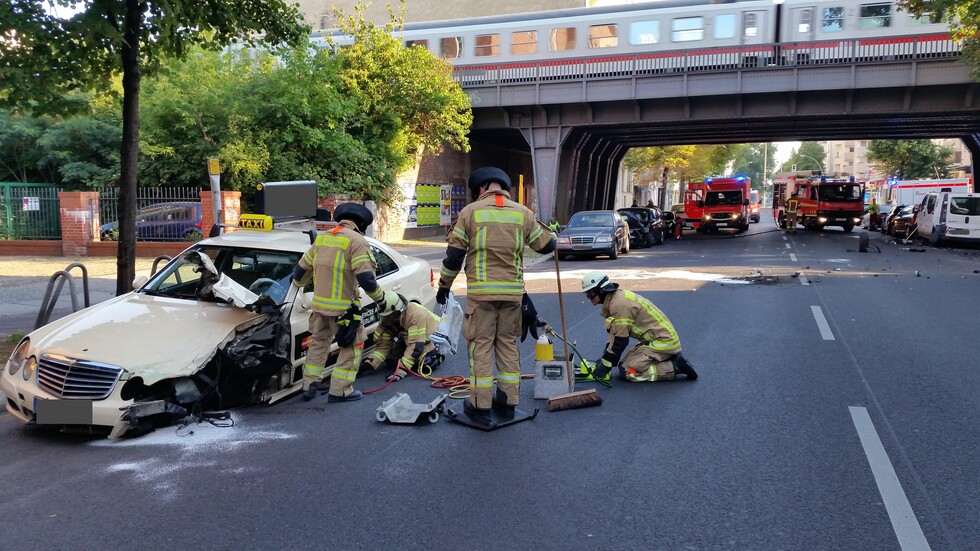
(129, 153)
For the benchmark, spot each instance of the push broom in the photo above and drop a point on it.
(571, 400)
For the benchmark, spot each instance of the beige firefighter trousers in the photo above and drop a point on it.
(791, 218)
(648, 364)
(491, 329)
(322, 331)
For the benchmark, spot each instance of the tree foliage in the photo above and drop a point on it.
(682, 162)
(963, 17)
(809, 156)
(910, 159)
(756, 160)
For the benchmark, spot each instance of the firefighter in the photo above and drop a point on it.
(874, 215)
(792, 205)
(554, 226)
(339, 261)
(490, 234)
(403, 334)
(657, 356)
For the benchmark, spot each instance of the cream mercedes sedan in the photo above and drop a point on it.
(218, 327)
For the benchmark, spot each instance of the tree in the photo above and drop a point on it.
(963, 17)
(808, 157)
(43, 57)
(757, 161)
(910, 159)
(679, 162)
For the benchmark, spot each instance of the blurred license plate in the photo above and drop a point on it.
(62, 412)
(369, 314)
(721, 224)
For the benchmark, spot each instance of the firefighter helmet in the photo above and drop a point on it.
(358, 214)
(488, 174)
(394, 304)
(596, 281)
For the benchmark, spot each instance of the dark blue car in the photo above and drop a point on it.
(161, 222)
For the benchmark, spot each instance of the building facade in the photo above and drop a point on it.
(850, 158)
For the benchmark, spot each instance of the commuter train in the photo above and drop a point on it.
(679, 27)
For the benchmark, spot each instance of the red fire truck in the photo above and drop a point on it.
(823, 201)
(718, 203)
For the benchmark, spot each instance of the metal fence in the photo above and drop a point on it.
(29, 211)
(163, 214)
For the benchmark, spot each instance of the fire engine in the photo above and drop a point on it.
(718, 203)
(823, 201)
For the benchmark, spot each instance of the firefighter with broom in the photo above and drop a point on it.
(656, 357)
(489, 235)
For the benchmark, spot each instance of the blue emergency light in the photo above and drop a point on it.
(708, 180)
(740, 178)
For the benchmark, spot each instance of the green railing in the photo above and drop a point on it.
(29, 211)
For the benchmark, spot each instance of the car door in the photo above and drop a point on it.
(926, 218)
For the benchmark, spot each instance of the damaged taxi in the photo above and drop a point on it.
(221, 325)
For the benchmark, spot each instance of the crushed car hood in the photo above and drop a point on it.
(155, 338)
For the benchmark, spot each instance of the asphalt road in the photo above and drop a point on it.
(837, 408)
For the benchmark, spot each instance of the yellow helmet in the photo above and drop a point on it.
(394, 303)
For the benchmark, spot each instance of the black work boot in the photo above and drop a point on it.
(501, 407)
(352, 397)
(682, 366)
(310, 392)
(480, 416)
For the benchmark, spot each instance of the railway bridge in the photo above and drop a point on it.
(570, 123)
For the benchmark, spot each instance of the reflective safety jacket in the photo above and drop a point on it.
(493, 231)
(792, 205)
(630, 315)
(336, 257)
(414, 326)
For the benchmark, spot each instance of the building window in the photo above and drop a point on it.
(645, 32)
(560, 40)
(603, 36)
(487, 45)
(524, 42)
(875, 16)
(687, 29)
(725, 26)
(806, 19)
(450, 47)
(833, 20)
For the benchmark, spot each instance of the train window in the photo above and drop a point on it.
(487, 45)
(926, 19)
(806, 20)
(832, 20)
(750, 26)
(686, 29)
(645, 32)
(875, 16)
(422, 42)
(725, 26)
(450, 47)
(561, 39)
(524, 42)
(603, 36)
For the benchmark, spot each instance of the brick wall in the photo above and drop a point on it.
(78, 224)
(231, 205)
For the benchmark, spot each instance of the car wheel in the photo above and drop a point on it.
(848, 228)
(562, 256)
(614, 253)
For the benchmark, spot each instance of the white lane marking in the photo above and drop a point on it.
(788, 246)
(804, 280)
(825, 331)
(906, 526)
(792, 257)
(784, 237)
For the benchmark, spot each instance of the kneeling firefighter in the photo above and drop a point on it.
(403, 335)
(657, 355)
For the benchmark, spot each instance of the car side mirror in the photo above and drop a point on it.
(745, 203)
(139, 281)
(700, 204)
(916, 209)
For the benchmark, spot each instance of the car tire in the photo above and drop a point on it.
(562, 256)
(614, 253)
(848, 228)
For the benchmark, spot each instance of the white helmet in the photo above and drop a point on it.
(594, 280)
(393, 303)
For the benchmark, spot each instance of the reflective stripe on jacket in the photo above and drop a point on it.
(631, 315)
(336, 257)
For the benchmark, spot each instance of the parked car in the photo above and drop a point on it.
(161, 222)
(900, 223)
(949, 216)
(892, 213)
(218, 327)
(884, 210)
(670, 223)
(678, 210)
(646, 225)
(594, 233)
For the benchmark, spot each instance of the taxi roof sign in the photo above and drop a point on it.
(259, 222)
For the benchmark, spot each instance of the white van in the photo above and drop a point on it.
(949, 216)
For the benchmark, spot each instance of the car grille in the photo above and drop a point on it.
(584, 240)
(721, 216)
(70, 378)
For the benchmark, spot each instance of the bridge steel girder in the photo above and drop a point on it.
(577, 135)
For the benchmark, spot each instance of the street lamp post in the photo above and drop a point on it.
(819, 166)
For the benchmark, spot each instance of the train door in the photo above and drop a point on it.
(753, 25)
(802, 27)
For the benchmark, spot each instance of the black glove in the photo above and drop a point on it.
(529, 318)
(365, 367)
(442, 296)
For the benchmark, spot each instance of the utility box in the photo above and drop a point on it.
(551, 378)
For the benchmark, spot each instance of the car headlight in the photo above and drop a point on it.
(563, 241)
(735, 216)
(18, 356)
(856, 220)
(707, 217)
(822, 219)
(604, 239)
(29, 367)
